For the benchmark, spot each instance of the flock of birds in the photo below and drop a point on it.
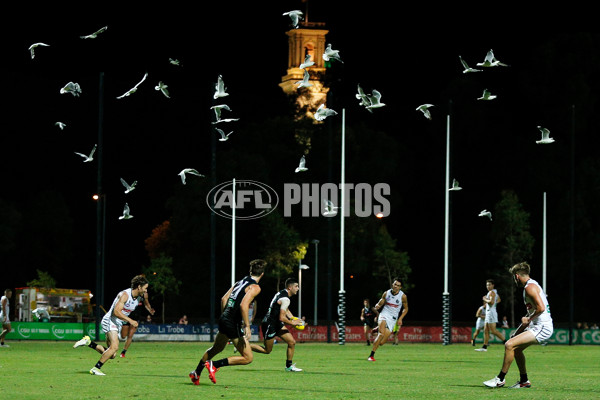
(369, 101)
(74, 89)
(373, 101)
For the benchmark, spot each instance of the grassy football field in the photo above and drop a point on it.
(158, 370)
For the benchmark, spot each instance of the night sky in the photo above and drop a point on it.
(409, 55)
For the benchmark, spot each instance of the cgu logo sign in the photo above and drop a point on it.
(251, 199)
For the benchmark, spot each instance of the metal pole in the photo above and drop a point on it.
(233, 233)
(316, 243)
(213, 235)
(572, 233)
(446, 323)
(99, 209)
(343, 208)
(544, 259)
(300, 291)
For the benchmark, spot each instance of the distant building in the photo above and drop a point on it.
(308, 39)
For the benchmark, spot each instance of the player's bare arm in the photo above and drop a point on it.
(380, 303)
(118, 310)
(148, 306)
(285, 315)
(251, 292)
(534, 294)
(404, 309)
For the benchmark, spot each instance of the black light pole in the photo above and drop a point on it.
(100, 210)
(213, 231)
(572, 231)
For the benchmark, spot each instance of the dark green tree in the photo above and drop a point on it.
(389, 261)
(162, 279)
(282, 247)
(43, 280)
(512, 242)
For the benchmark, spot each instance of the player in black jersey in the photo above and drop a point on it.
(273, 324)
(368, 316)
(234, 324)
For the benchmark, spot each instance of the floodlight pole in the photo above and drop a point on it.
(342, 208)
(544, 250)
(100, 210)
(213, 236)
(446, 320)
(233, 233)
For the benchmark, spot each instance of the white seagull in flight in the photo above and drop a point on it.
(220, 88)
(323, 112)
(491, 61)
(128, 187)
(90, 157)
(375, 98)
(486, 213)
(364, 99)
(61, 125)
(424, 108)
(72, 88)
(133, 89)
(331, 54)
(455, 185)
(304, 82)
(163, 88)
(95, 34)
(487, 95)
(546, 139)
(190, 171)
(329, 210)
(307, 62)
(33, 46)
(295, 16)
(223, 137)
(466, 66)
(302, 165)
(126, 214)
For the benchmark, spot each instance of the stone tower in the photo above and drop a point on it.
(309, 38)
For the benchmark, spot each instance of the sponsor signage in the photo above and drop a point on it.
(560, 336)
(52, 331)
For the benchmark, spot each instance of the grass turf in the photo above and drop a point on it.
(44, 369)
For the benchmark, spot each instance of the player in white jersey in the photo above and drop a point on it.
(479, 322)
(5, 316)
(125, 302)
(491, 299)
(393, 301)
(536, 327)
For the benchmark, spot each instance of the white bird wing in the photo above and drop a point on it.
(307, 62)
(220, 88)
(125, 184)
(143, 79)
(220, 131)
(81, 154)
(95, 34)
(33, 46)
(194, 172)
(374, 99)
(93, 151)
(463, 62)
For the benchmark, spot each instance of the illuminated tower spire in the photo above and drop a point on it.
(308, 39)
